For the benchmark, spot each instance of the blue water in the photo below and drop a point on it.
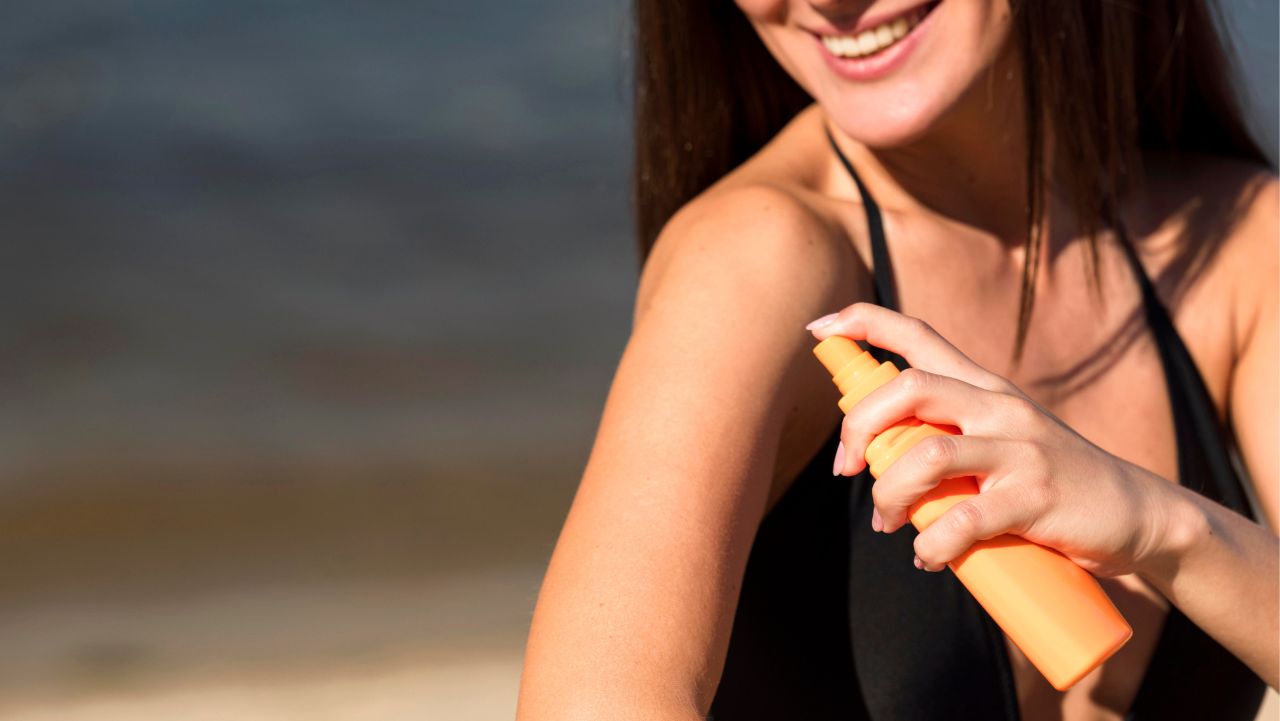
(324, 230)
(291, 229)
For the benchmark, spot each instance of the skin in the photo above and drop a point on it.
(696, 443)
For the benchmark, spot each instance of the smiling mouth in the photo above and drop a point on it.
(877, 39)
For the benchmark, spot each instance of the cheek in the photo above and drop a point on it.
(763, 11)
(769, 20)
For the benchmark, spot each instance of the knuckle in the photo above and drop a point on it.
(937, 451)
(913, 380)
(1000, 384)
(1041, 491)
(918, 324)
(1021, 409)
(1037, 458)
(966, 518)
(1038, 496)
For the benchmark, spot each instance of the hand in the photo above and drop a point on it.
(1038, 478)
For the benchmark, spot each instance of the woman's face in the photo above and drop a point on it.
(885, 71)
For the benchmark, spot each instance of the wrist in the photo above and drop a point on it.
(1177, 527)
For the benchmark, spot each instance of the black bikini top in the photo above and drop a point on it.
(1190, 675)
(834, 622)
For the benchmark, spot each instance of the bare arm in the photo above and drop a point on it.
(635, 610)
(1255, 396)
(1224, 575)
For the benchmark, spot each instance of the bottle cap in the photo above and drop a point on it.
(836, 352)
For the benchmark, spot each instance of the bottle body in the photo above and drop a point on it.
(1051, 608)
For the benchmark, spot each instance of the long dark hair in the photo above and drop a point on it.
(1113, 78)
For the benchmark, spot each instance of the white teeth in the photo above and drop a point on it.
(873, 40)
(867, 43)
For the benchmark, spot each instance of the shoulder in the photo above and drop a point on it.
(1220, 223)
(762, 229)
(1254, 252)
(1245, 275)
(1228, 197)
(1242, 201)
(756, 240)
(720, 313)
(745, 266)
(1194, 186)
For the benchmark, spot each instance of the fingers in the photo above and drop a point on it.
(943, 387)
(933, 459)
(909, 337)
(932, 398)
(1004, 509)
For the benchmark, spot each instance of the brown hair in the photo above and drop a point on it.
(1140, 74)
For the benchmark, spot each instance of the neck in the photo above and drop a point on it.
(969, 170)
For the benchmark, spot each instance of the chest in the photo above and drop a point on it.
(1090, 356)
(1091, 359)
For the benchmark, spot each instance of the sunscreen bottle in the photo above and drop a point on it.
(1054, 610)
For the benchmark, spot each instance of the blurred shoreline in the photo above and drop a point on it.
(278, 651)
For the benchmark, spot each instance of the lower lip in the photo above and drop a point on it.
(882, 63)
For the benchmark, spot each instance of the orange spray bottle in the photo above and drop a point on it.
(1054, 610)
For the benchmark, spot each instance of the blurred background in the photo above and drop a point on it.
(309, 313)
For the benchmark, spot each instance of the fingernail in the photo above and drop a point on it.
(919, 563)
(877, 523)
(838, 466)
(824, 320)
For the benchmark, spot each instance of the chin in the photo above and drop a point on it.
(890, 73)
(896, 122)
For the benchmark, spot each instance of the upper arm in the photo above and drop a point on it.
(1254, 392)
(638, 599)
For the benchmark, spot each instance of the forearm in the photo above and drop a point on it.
(574, 703)
(554, 692)
(588, 659)
(633, 617)
(1221, 569)
(598, 653)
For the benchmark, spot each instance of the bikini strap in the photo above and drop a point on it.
(886, 291)
(1204, 464)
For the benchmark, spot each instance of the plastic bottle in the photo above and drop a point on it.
(1051, 608)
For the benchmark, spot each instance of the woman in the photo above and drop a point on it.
(924, 177)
